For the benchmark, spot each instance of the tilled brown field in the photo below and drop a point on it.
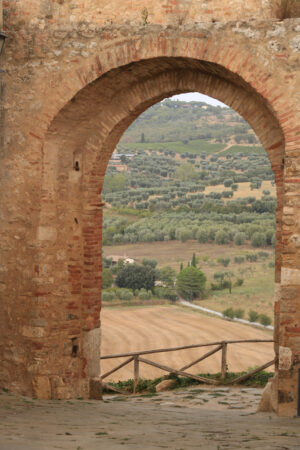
(143, 328)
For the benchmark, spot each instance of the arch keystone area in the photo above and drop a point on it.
(71, 90)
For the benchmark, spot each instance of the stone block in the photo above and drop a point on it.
(290, 276)
(95, 389)
(33, 332)
(41, 387)
(165, 385)
(46, 233)
(91, 351)
(269, 400)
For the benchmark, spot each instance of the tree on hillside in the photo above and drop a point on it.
(149, 262)
(186, 172)
(190, 283)
(107, 279)
(167, 276)
(124, 159)
(114, 183)
(221, 237)
(194, 261)
(224, 279)
(239, 238)
(133, 276)
(228, 182)
(258, 239)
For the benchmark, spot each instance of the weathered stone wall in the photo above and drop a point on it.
(135, 12)
(76, 76)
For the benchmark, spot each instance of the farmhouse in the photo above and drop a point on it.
(115, 259)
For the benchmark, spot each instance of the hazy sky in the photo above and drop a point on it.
(196, 97)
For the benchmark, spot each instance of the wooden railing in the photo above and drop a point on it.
(218, 346)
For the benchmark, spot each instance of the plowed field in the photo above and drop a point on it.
(132, 329)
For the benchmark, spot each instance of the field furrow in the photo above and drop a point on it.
(133, 329)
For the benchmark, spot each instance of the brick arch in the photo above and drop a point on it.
(86, 115)
(233, 59)
(85, 132)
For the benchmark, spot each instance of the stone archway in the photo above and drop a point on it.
(59, 326)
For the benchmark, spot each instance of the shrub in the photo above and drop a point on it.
(239, 259)
(253, 316)
(108, 296)
(216, 287)
(202, 236)
(224, 261)
(239, 313)
(184, 235)
(145, 295)
(263, 254)
(229, 312)
(149, 262)
(107, 278)
(264, 320)
(228, 182)
(258, 239)
(269, 236)
(124, 294)
(239, 282)
(221, 237)
(239, 238)
(251, 257)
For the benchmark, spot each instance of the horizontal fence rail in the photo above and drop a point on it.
(219, 346)
(184, 347)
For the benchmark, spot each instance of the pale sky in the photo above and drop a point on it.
(196, 97)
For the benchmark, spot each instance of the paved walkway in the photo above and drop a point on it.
(196, 418)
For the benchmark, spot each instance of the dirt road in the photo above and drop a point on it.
(143, 328)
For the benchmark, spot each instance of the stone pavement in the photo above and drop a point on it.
(199, 417)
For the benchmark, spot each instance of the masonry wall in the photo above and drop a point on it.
(77, 75)
(135, 12)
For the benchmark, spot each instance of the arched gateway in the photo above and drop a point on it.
(70, 94)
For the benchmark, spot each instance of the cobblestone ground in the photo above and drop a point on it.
(199, 417)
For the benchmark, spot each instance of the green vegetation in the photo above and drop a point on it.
(253, 316)
(231, 313)
(192, 173)
(167, 190)
(190, 283)
(107, 278)
(134, 276)
(264, 320)
(195, 147)
(245, 150)
(258, 380)
(170, 121)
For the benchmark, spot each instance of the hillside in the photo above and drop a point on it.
(191, 178)
(170, 121)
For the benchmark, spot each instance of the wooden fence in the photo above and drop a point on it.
(218, 347)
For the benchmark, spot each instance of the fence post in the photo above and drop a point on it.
(136, 372)
(224, 361)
